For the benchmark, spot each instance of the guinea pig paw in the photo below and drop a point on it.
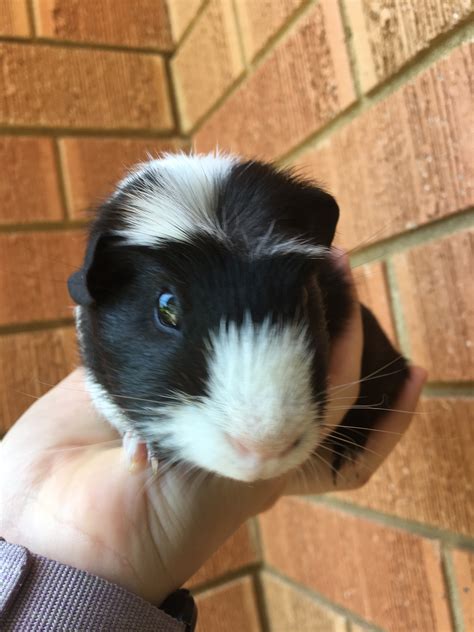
(136, 453)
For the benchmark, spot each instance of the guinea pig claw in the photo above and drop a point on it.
(154, 465)
(136, 453)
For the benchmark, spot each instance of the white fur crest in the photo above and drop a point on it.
(176, 199)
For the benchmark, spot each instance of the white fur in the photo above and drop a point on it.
(182, 204)
(260, 391)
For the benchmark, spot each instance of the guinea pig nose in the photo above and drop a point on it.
(263, 450)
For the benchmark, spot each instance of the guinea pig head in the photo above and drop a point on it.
(200, 316)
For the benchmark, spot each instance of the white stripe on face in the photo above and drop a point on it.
(173, 198)
(259, 404)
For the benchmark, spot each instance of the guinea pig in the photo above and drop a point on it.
(207, 305)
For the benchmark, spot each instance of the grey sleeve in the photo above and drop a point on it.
(40, 594)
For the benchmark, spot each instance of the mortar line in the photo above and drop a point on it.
(351, 53)
(93, 46)
(240, 38)
(31, 19)
(36, 326)
(253, 66)
(397, 309)
(280, 34)
(321, 599)
(262, 608)
(421, 62)
(42, 227)
(454, 603)
(225, 578)
(173, 99)
(404, 524)
(449, 390)
(187, 31)
(421, 235)
(59, 165)
(122, 132)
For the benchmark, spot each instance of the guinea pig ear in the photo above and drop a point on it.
(77, 283)
(318, 215)
(106, 267)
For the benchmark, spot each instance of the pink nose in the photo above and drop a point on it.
(262, 449)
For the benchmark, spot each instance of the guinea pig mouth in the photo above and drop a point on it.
(249, 460)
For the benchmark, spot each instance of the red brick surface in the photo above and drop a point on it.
(291, 609)
(141, 23)
(93, 166)
(29, 187)
(416, 481)
(389, 33)
(77, 88)
(407, 160)
(14, 18)
(391, 578)
(231, 607)
(207, 63)
(289, 96)
(239, 550)
(29, 362)
(34, 268)
(260, 21)
(437, 297)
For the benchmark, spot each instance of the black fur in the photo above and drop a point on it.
(119, 284)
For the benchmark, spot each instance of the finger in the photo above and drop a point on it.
(388, 433)
(346, 354)
(318, 476)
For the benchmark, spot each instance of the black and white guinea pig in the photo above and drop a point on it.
(207, 304)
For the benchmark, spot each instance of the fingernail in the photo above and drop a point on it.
(340, 258)
(421, 373)
(135, 451)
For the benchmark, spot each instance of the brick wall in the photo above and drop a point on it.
(370, 97)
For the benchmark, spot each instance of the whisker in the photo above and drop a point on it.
(363, 428)
(336, 437)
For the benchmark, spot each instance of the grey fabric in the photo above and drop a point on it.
(37, 594)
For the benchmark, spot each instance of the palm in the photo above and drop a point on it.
(70, 496)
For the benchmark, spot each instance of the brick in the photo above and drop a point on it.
(290, 609)
(30, 362)
(181, 13)
(14, 18)
(437, 298)
(141, 23)
(463, 562)
(416, 481)
(34, 268)
(49, 86)
(302, 85)
(93, 166)
(260, 21)
(389, 577)
(237, 552)
(372, 289)
(406, 161)
(29, 187)
(207, 63)
(389, 33)
(231, 607)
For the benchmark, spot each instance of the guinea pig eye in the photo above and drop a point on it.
(166, 310)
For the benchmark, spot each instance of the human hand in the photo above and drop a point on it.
(66, 491)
